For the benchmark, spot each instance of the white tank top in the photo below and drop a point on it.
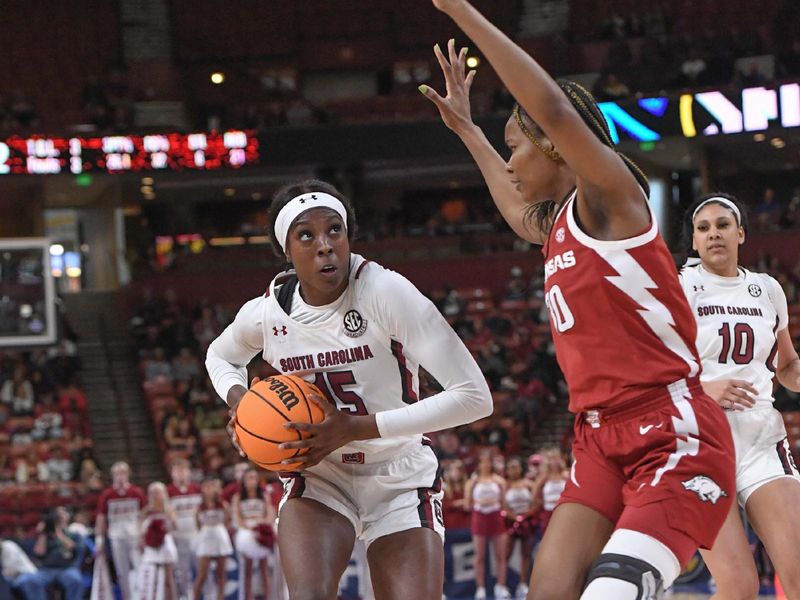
(252, 510)
(519, 499)
(486, 497)
(212, 516)
(551, 492)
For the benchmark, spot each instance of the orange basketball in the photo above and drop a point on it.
(263, 411)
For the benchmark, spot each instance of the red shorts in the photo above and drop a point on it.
(487, 524)
(664, 467)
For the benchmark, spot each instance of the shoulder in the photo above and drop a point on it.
(689, 272)
(378, 286)
(252, 309)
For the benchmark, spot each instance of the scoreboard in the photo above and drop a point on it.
(39, 155)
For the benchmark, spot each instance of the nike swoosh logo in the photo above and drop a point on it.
(643, 429)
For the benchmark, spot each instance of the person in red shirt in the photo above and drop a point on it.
(118, 520)
(230, 490)
(653, 476)
(184, 498)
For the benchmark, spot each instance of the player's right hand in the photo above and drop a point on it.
(732, 394)
(454, 107)
(235, 396)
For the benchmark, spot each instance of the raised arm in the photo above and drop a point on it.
(455, 111)
(594, 163)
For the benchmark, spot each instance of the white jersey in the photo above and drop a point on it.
(364, 354)
(253, 511)
(737, 323)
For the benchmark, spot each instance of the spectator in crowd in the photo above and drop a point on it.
(71, 398)
(521, 508)
(31, 468)
(18, 393)
(19, 573)
(610, 87)
(59, 554)
(48, 424)
(158, 367)
(767, 212)
(185, 366)
(59, 465)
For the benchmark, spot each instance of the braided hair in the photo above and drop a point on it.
(542, 214)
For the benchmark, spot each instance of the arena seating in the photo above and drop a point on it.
(46, 450)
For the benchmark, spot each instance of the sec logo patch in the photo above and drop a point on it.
(560, 235)
(755, 290)
(354, 324)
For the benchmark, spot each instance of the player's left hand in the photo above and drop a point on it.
(337, 429)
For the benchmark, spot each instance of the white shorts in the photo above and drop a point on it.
(762, 450)
(377, 498)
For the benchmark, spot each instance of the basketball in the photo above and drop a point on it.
(264, 410)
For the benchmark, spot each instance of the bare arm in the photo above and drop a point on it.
(455, 111)
(788, 370)
(100, 525)
(468, 494)
(596, 165)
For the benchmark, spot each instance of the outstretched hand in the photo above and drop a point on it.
(337, 429)
(454, 108)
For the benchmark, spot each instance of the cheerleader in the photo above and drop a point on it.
(485, 490)
(160, 555)
(254, 518)
(213, 541)
(551, 484)
(521, 508)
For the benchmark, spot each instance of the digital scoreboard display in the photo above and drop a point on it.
(39, 155)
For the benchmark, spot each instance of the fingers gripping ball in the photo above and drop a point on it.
(262, 413)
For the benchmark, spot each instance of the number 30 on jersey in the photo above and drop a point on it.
(559, 311)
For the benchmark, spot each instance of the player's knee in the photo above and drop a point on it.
(315, 591)
(623, 577)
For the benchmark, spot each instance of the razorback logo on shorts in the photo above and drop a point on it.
(355, 458)
(705, 488)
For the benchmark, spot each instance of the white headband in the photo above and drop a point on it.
(720, 200)
(300, 204)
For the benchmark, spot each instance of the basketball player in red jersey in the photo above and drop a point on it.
(653, 477)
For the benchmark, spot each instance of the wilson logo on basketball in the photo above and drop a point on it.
(354, 324)
(287, 397)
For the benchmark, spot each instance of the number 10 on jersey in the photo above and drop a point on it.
(559, 311)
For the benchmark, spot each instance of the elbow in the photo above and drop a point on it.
(484, 402)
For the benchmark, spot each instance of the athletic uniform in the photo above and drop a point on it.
(487, 517)
(213, 539)
(121, 508)
(551, 494)
(652, 451)
(520, 500)
(364, 351)
(253, 511)
(166, 553)
(184, 503)
(737, 323)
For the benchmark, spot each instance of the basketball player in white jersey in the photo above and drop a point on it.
(360, 332)
(118, 519)
(184, 498)
(743, 342)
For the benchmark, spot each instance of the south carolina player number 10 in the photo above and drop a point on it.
(559, 310)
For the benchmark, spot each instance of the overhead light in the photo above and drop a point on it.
(148, 181)
(777, 143)
(473, 62)
(759, 137)
(146, 189)
(230, 192)
(217, 77)
(257, 195)
(56, 250)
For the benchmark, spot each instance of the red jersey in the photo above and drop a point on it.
(121, 508)
(620, 321)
